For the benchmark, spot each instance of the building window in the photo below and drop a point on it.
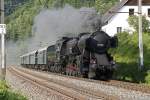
(119, 29)
(149, 12)
(131, 12)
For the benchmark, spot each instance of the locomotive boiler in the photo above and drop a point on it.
(85, 55)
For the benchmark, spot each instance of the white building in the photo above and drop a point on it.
(115, 19)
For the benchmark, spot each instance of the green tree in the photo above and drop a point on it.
(19, 23)
(75, 3)
(104, 5)
(133, 22)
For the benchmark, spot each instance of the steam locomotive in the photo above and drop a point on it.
(84, 56)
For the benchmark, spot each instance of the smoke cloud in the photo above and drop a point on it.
(51, 24)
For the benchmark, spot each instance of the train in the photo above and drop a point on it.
(85, 55)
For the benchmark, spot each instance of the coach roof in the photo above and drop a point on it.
(30, 53)
(39, 50)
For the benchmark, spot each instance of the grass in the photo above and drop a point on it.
(127, 58)
(7, 94)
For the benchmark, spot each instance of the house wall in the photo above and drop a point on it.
(120, 20)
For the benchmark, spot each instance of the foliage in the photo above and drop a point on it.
(6, 94)
(19, 23)
(75, 3)
(104, 5)
(133, 22)
(127, 57)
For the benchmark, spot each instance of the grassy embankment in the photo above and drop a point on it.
(7, 94)
(127, 57)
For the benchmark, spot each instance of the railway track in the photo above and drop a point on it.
(120, 84)
(70, 90)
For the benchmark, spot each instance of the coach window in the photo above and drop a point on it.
(44, 57)
(149, 12)
(131, 12)
(119, 29)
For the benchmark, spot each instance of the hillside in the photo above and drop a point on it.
(20, 20)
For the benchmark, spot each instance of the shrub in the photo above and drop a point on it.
(127, 58)
(7, 94)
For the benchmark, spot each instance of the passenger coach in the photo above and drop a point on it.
(38, 59)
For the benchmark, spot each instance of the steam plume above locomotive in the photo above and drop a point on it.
(50, 24)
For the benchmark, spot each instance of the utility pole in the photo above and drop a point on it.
(140, 35)
(3, 67)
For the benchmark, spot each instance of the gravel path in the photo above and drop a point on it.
(31, 91)
(123, 94)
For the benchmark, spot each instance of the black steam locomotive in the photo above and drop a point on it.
(85, 55)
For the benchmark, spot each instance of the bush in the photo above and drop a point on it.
(127, 57)
(6, 94)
